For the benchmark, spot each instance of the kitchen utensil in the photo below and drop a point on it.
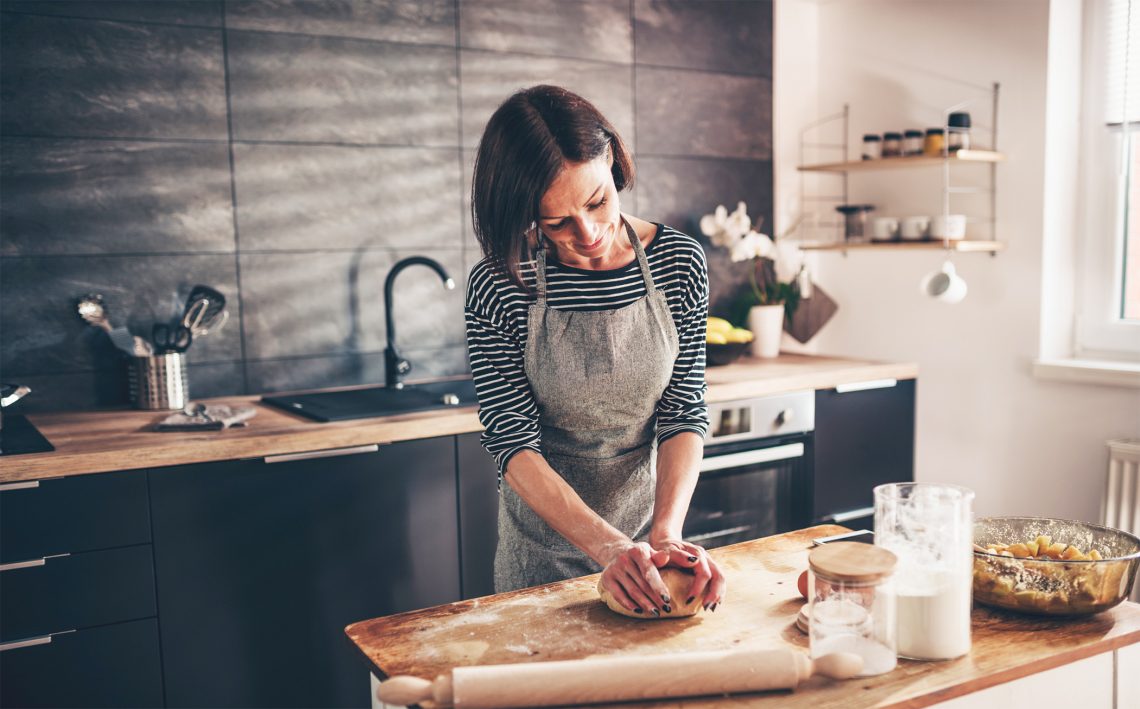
(944, 284)
(159, 382)
(216, 303)
(94, 311)
(929, 527)
(884, 228)
(913, 227)
(192, 318)
(1054, 586)
(854, 220)
(615, 679)
(170, 338)
(948, 226)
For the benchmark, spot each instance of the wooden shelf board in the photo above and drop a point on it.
(962, 156)
(964, 245)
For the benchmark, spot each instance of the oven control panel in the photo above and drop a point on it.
(761, 417)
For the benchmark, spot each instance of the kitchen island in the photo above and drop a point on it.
(566, 621)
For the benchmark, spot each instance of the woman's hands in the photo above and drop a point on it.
(633, 579)
(708, 581)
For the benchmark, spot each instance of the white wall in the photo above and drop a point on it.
(1023, 444)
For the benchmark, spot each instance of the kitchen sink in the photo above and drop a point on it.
(372, 402)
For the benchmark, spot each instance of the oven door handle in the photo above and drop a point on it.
(743, 458)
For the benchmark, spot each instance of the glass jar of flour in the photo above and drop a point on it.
(930, 528)
(851, 604)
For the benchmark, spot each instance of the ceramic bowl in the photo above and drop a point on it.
(719, 355)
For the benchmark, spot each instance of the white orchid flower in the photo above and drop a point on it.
(713, 224)
(754, 245)
(738, 223)
(789, 261)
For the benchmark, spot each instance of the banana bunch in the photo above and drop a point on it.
(719, 331)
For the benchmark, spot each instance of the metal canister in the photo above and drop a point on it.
(159, 381)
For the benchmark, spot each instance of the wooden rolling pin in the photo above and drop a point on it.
(617, 679)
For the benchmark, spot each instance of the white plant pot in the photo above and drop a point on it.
(767, 325)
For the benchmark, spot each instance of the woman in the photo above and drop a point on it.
(585, 329)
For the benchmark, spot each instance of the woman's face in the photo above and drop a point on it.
(580, 214)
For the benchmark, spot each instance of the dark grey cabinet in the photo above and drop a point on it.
(260, 566)
(864, 436)
(478, 516)
(77, 598)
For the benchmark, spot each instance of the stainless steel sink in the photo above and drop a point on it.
(377, 401)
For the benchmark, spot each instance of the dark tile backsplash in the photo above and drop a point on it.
(289, 152)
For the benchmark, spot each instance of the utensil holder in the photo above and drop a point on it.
(159, 382)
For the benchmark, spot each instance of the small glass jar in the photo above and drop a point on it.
(934, 144)
(892, 145)
(958, 132)
(855, 220)
(912, 142)
(852, 604)
(872, 147)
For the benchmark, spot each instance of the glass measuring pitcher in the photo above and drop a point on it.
(929, 527)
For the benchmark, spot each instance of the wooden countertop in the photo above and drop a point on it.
(566, 621)
(104, 441)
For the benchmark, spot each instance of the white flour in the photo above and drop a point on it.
(934, 618)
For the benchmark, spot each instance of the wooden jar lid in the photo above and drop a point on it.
(852, 562)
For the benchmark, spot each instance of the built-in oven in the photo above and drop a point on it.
(756, 472)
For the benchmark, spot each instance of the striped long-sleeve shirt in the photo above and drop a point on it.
(496, 312)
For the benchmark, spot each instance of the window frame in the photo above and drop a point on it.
(1100, 332)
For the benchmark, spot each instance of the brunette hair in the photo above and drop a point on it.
(524, 146)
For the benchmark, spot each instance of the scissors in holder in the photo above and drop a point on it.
(170, 338)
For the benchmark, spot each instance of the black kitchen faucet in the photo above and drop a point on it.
(395, 366)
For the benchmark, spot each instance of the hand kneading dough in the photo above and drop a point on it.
(678, 581)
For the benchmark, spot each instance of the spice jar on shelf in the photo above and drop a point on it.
(912, 142)
(958, 133)
(934, 145)
(892, 145)
(872, 147)
(852, 604)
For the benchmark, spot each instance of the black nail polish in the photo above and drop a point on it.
(668, 609)
(664, 598)
(638, 610)
(714, 607)
(692, 558)
(691, 598)
(656, 613)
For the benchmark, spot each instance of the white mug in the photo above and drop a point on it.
(948, 226)
(944, 284)
(913, 227)
(884, 228)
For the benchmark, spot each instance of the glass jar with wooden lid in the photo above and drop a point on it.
(852, 604)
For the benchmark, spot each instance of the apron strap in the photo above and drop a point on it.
(641, 257)
(540, 275)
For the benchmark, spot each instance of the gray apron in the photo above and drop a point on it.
(597, 378)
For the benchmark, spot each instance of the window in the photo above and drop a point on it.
(1109, 312)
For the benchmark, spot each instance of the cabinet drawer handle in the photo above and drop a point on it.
(330, 453)
(31, 642)
(29, 563)
(864, 386)
(841, 517)
(19, 486)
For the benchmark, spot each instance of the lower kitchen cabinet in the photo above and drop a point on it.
(478, 516)
(260, 565)
(864, 436)
(108, 666)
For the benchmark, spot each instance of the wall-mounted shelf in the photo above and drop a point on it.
(961, 156)
(963, 245)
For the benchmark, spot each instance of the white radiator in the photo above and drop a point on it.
(1122, 495)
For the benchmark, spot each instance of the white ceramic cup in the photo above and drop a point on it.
(884, 228)
(948, 226)
(944, 285)
(913, 227)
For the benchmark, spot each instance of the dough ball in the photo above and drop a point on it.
(678, 581)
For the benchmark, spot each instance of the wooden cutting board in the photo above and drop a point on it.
(565, 621)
